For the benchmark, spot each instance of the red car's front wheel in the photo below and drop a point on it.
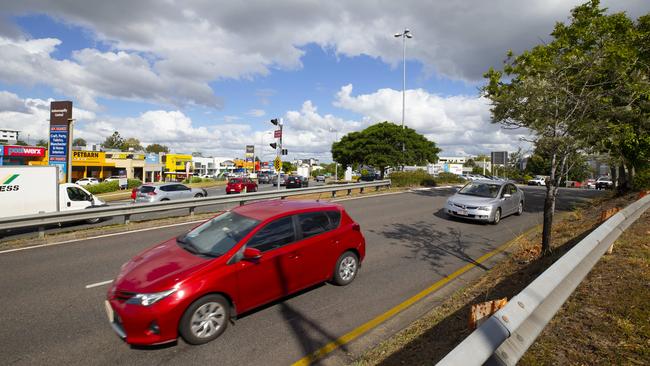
(205, 320)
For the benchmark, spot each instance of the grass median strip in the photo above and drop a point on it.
(431, 337)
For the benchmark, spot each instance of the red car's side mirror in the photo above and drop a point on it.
(252, 254)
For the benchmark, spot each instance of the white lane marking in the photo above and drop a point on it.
(100, 236)
(389, 194)
(99, 284)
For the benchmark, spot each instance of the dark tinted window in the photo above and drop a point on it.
(167, 188)
(513, 189)
(335, 219)
(274, 235)
(313, 223)
(180, 187)
(147, 189)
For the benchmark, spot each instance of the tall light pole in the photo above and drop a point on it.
(336, 165)
(406, 34)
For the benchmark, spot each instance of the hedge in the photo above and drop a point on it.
(112, 186)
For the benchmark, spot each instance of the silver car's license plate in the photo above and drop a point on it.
(462, 212)
(109, 311)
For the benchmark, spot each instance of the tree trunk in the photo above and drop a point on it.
(549, 210)
(622, 179)
(381, 172)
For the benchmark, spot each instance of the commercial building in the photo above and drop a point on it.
(22, 155)
(91, 164)
(8, 137)
(177, 166)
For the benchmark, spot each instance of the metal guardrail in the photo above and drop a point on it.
(41, 220)
(505, 336)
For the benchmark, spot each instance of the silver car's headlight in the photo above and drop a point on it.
(485, 208)
(149, 299)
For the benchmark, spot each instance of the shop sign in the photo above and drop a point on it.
(152, 158)
(29, 151)
(89, 157)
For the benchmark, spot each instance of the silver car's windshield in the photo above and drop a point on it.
(217, 236)
(480, 189)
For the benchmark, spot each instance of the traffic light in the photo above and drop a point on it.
(284, 151)
(274, 145)
(274, 121)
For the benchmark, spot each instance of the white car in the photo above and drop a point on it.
(537, 181)
(87, 181)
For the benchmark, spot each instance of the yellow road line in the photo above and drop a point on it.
(360, 330)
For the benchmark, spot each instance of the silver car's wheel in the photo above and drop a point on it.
(205, 320)
(497, 217)
(520, 209)
(346, 268)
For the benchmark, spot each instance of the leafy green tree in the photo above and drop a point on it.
(156, 148)
(380, 146)
(551, 90)
(79, 142)
(470, 163)
(114, 141)
(131, 143)
(287, 167)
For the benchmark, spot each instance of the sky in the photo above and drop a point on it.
(207, 76)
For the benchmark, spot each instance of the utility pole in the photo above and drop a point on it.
(406, 34)
(278, 148)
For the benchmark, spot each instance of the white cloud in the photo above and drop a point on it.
(168, 53)
(256, 113)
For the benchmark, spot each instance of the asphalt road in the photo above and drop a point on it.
(50, 317)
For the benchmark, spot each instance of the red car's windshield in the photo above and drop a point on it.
(217, 236)
(235, 181)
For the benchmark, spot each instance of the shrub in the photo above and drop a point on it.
(408, 179)
(449, 178)
(103, 187)
(132, 183)
(641, 181)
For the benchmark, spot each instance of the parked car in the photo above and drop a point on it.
(604, 183)
(167, 192)
(114, 177)
(193, 284)
(487, 201)
(87, 181)
(239, 185)
(367, 178)
(320, 178)
(537, 181)
(590, 183)
(296, 181)
(263, 178)
(283, 179)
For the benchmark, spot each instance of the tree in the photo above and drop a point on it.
(157, 148)
(470, 163)
(287, 166)
(114, 141)
(380, 146)
(131, 143)
(42, 143)
(552, 90)
(79, 142)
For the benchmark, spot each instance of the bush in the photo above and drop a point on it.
(641, 180)
(103, 187)
(132, 183)
(409, 179)
(449, 178)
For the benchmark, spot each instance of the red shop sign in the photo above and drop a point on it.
(24, 151)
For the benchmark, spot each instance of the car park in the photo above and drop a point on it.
(193, 285)
(89, 181)
(604, 183)
(239, 185)
(167, 192)
(487, 201)
(296, 181)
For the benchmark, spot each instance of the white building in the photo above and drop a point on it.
(8, 137)
(452, 159)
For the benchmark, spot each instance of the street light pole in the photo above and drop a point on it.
(336, 165)
(406, 34)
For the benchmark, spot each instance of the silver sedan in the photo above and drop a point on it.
(486, 200)
(167, 192)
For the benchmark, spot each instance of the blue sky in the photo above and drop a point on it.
(198, 80)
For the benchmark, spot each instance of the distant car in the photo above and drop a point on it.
(537, 181)
(114, 177)
(87, 181)
(590, 183)
(193, 284)
(263, 178)
(283, 179)
(239, 185)
(167, 192)
(320, 178)
(486, 201)
(206, 176)
(296, 181)
(604, 183)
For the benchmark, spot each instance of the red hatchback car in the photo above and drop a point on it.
(194, 284)
(238, 185)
